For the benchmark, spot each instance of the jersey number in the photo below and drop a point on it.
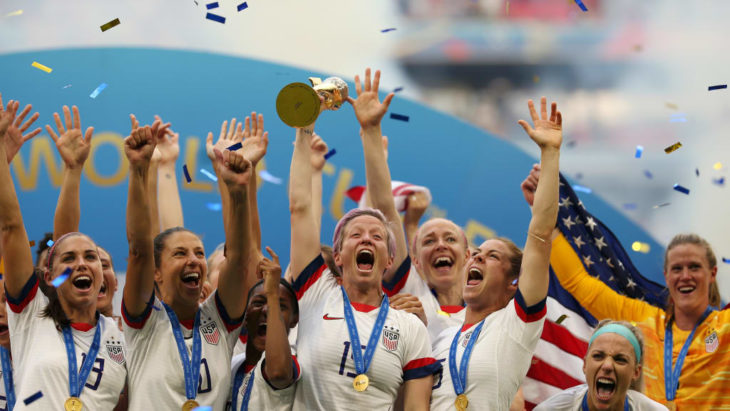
(204, 380)
(344, 359)
(97, 370)
(440, 375)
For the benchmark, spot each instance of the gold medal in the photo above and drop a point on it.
(671, 405)
(73, 404)
(190, 405)
(361, 383)
(461, 402)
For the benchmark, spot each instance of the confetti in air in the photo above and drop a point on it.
(98, 90)
(681, 189)
(107, 26)
(330, 154)
(61, 278)
(40, 66)
(400, 117)
(187, 175)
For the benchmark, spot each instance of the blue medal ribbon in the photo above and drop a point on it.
(584, 405)
(671, 375)
(237, 381)
(191, 369)
(76, 380)
(8, 378)
(458, 376)
(362, 361)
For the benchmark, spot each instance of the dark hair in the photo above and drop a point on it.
(54, 310)
(42, 246)
(515, 257)
(282, 281)
(111, 261)
(160, 242)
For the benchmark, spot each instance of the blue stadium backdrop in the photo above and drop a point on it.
(474, 176)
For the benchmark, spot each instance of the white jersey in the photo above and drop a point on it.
(264, 396)
(440, 317)
(499, 360)
(324, 351)
(41, 364)
(156, 376)
(572, 398)
(3, 397)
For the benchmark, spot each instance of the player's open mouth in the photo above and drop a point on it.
(82, 282)
(261, 330)
(686, 289)
(605, 388)
(475, 276)
(365, 260)
(191, 279)
(443, 264)
(102, 292)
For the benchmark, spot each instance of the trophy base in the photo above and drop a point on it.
(297, 105)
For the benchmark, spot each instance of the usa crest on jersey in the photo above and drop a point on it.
(390, 338)
(115, 351)
(711, 341)
(210, 331)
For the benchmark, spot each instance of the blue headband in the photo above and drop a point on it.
(621, 330)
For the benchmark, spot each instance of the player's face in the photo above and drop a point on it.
(688, 276)
(441, 253)
(486, 280)
(364, 255)
(4, 332)
(610, 367)
(256, 318)
(109, 284)
(80, 255)
(182, 270)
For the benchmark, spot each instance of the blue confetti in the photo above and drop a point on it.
(400, 117)
(215, 17)
(677, 118)
(570, 144)
(726, 260)
(639, 151)
(208, 174)
(717, 87)
(61, 278)
(648, 174)
(98, 90)
(630, 206)
(203, 408)
(266, 176)
(581, 5)
(681, 189)
(330, 154)
(187, 175)
(697, 172)
(242, 6)
(214, 206)
(719, 181)
(514, 282)
(387, 30)
(49, 243)
(32, 398)
(397, 89)
(235, 146)
(213, 5)
(576, 187)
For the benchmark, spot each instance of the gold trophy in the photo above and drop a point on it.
(298, 104)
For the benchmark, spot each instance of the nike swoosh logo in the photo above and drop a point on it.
(327, 317)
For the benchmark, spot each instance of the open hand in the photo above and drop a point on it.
(168, 145)
(368, 108)
(73, 147)
(255, 139)
(228, 137)
(15, 129)
(409, 303)
(548, 132)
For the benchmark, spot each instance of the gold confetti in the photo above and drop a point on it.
(14, 13)
(638, 48)
(640, 247)
(40, 66)
(673, 147)
(672, 106)
(717, 166)
(109, 25)
(535, 79)
(561, 319)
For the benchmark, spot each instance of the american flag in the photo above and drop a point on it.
(558, 360)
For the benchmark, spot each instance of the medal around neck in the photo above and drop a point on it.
(73, 404)
(298, 104)
(461, 402)
(361, 382)
(189, 405)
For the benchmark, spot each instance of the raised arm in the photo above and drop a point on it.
(17, 259)
(74, 147)
(319, 149)
(139, 285)
(170, 210)
(254, 146)
(278, 365)
(235, 279)
(15, 138)
(226, 138)
(548, 135)
(304, 234)
(369, 112)
(418, 203)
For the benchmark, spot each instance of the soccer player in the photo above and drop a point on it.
(486, 359)
(360, 351)
(264, 376)
(179, 351)
(65, 353)
(612, 365)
